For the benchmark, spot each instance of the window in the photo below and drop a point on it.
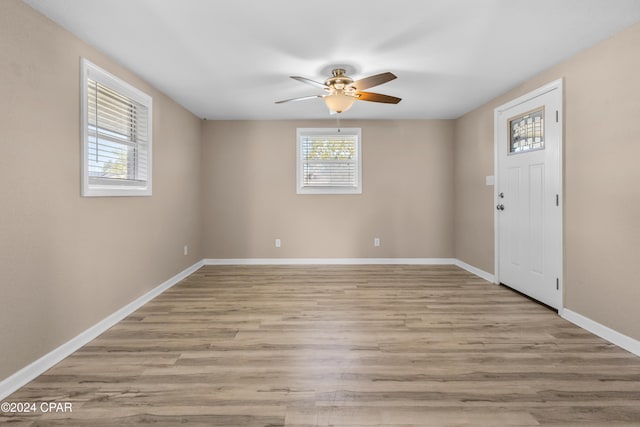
(116, 136)
(329, 161)
(526, 132)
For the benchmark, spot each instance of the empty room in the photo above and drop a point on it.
(284, 213)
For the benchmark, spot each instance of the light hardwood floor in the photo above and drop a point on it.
(341, 346)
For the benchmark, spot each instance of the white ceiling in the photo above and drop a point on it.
(232, 59)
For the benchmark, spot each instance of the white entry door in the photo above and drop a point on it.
(529, 194)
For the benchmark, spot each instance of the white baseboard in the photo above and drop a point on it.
(630, 344)
(473, 270)
(327, 261)
(30, 372)
(351, 261)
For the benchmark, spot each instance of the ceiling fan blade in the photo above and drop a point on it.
(310, 82)
(377, 97)
(302, 98)
(372, 81)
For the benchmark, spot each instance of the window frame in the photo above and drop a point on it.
(301, 133)
(104, 189)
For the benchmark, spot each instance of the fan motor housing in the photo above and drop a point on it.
(339, 81)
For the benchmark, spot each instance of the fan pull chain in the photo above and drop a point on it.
(338, 120)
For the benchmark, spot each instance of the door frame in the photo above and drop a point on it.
(556, 85)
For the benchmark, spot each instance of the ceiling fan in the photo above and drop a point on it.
(342, 91)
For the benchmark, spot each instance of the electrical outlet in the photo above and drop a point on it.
(278, 243)
(186, 250)
(376, 241)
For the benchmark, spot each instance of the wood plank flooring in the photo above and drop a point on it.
(301, 346)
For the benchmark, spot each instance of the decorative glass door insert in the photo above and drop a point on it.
(526, 131)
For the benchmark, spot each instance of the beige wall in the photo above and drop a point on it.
(473, 225)
(407, 199)
(601, 181)
(67, 262)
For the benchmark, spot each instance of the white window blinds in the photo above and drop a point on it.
(329, 161)
(117, 136)
(118, 140)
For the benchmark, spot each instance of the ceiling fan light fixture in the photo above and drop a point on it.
(339, 102)
(341, 91)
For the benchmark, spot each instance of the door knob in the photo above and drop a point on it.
(500, 207)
